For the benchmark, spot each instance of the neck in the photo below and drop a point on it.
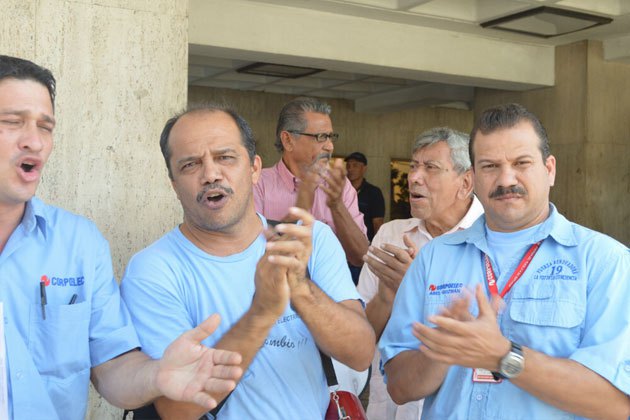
(10, 217)
(226, 242)
(357, 183)
(292, 166)
(448, 220)
(537, 219)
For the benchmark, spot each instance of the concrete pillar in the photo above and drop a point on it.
(121, 71)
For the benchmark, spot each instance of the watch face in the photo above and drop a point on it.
(512, 365)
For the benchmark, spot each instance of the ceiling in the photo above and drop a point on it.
(375, 92)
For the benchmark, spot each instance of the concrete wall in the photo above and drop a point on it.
(585, 115)
(121, 71)
(380, 137)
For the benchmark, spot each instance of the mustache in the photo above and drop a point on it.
(324, 155)
(213, 186)
(501, 191)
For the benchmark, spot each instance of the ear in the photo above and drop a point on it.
(256, 169)
(287, 141)
(465, 190)
(550, 164)
(173, 182)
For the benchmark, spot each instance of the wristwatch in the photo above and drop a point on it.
(512, 364)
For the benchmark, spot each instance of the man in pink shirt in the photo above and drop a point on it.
(304, 178)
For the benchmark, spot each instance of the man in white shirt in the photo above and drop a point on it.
(441, 199)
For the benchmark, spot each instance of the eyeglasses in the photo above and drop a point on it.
(320, 137)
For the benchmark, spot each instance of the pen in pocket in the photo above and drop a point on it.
(73, 299)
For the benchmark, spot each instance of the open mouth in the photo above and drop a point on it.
(29, 170)
(215, 197)
(416, 196)
(27, 167)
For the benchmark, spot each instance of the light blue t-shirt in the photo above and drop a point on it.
(49, 360)
(172, 286)
(571, 302)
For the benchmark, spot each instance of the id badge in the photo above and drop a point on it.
(484, 375)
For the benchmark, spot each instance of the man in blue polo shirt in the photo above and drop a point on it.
(64, 321)
(551, 341)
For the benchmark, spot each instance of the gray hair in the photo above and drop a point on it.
(247, 136)
(456, 140)
(291, 116)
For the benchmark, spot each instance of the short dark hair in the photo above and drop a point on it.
(18, 68)
(507, 116)
(247, 135)
(292, 116)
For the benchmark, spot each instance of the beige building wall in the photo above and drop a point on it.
(586, 117)
(381, 137)
(121, 71)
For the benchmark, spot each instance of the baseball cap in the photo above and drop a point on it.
(358, 156)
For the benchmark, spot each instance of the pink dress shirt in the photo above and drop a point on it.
(276, 191)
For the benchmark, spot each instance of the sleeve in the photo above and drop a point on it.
(368, 282)
(351, 201)
(111, 330)
(408, 308)
(605, 345)
(157, 309)
(328, 266)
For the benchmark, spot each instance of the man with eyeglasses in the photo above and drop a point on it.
(305, 178)
(441, 201)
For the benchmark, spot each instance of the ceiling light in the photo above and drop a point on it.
(546, 22)
(278, 70)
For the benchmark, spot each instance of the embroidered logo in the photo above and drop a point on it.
(558, 269)
(63, 281)
(445, 289)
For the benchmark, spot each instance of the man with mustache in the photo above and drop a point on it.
(303, 177)
(223, 258)
(441, 202)
(522, 316)
(63, 320)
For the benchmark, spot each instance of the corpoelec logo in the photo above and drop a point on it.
(445, 289)
(558, 269)
(63, 281)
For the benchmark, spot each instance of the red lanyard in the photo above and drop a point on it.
(522, 266)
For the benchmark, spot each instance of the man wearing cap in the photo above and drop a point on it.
(371, 202)
(304, 178)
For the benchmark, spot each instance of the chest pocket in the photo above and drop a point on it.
(547, 316)
(59, 344)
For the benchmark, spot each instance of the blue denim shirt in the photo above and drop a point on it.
(571, 302)
(49, 360)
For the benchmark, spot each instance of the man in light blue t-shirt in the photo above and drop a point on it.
(553, 339)
(283, 293)
(64, 321)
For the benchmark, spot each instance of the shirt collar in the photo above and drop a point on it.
(35, 216)
(288, 179)
(556, 226)
(473, 213)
